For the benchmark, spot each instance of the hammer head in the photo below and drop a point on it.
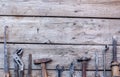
(43, 60)
(83, 59)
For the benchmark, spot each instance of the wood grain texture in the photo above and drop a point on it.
(64, 1)
(60, 54)
(59, 30)
(76, 8)
(53, 73)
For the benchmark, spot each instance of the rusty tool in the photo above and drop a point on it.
(104, 60)
(17, 53)
(59, 69)
(72, 69)
(43, 62)
(16, 69)
(30, 66)
(84, 61)
(17, 58)
(96, 65)
(114, 63)
(6, 63)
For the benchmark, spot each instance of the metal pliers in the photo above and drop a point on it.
(18, 63)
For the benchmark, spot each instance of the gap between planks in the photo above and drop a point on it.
(113, 18)
(64, 69)
(57, 43)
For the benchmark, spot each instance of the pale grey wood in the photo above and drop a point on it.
(64, 1)
(77, 8)
(53, 73)
(60, 54)
(59, 30)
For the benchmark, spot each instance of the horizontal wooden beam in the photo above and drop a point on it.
(59, 30)
(64, 1)
(53, 73)
(60, 54)
(75, 8)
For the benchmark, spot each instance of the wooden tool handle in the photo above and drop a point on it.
(44, 71)
(115, 69)
(84, 66)
(6, 75)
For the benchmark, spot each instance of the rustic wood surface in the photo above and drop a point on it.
(60, 30)
(54, 29)
(60, 54)
(53, 73)
(76, 8)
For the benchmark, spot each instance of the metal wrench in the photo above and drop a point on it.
(72, 70)
(104, 60)
(96, 65)
(59, 69)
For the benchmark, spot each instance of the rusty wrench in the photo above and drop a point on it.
(59, 69)
(72, 69)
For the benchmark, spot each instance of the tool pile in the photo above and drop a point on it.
(19, 65)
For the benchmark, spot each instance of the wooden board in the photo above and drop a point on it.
(76, 8)
(59, 30)
(64, 1)
(53, 73)
(60, 54)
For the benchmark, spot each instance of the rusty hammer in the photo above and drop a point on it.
(84, 61)
(43, 62)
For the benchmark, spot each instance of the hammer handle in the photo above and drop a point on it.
(6, 75)
(115, 69)
(44, 71)
(84, 66)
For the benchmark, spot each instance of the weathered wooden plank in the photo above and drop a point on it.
(53, 73)
(77, 8)
(65, 1)
(61, 54)
(59, 30)
(77, 74)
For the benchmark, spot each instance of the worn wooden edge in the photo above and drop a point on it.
(64, 1)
